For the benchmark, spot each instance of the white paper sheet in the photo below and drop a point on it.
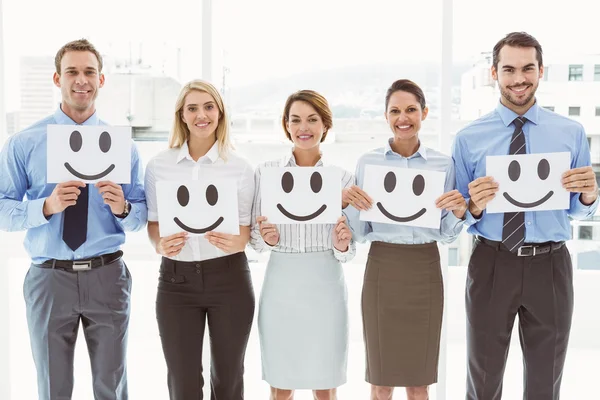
(403, 196)
(528, 182)
(197, 206)
(301, 195)
(88, 153)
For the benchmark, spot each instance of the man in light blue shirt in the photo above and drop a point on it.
(74, 232)
(520, 264)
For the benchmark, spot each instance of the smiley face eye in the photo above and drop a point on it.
(212, 195)
(543, 169)
(389, 183)
(514, 170)
(287, 182)
(183, 196)
(75, 141)
(418, 185)
(316, 182)
(105, 142)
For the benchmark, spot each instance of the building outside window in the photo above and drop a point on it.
(576, 72)
(574, 111)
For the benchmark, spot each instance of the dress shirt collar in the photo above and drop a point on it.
(421, 151)
(63, 119)
(212, 155)
(508, 116)
(290, 161)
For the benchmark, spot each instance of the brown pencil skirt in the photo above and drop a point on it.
(402, 304)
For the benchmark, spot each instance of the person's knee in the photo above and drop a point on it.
(417, 393)
(383, 392)
(281, 394)
(328, 394)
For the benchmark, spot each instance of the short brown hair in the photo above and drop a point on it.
(405, 85)
(517, 39)
(77, 45)
(317, 101)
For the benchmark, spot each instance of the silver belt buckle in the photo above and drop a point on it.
(82, 265)
(520, 252)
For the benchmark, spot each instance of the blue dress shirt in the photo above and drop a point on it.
(23, 166)
(545, 132)
(424, 158)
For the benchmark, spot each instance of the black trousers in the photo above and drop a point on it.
(190, 294)
(539, 289)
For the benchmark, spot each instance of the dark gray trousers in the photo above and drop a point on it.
(56, 302)
(539, 289)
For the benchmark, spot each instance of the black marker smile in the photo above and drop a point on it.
(89, 177)
(299, 217)
(400, 219)
(193, 230)
(527, 205)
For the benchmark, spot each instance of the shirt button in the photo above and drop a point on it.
(198, 271)
(197, 265)
(528, 222)
(172, 280)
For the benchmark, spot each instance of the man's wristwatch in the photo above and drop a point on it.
(125, 211)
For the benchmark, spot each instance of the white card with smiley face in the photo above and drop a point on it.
(88, 153)
(301, 195)
(403, 196)
(529, 182)
(197, 207)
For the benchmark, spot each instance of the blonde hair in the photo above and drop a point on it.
(180, 132)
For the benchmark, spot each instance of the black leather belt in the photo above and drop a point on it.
(83, 265)
(527, 250)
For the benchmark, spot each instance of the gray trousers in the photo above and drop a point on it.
(539, 289)
(56, 302)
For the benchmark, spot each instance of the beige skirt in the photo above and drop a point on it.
(402, 305)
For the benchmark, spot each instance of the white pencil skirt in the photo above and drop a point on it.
(303, 321)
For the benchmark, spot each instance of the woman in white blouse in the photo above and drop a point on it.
(202, 278)
(303, 318)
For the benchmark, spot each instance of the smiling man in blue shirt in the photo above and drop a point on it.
(74, 232)
(520, 264)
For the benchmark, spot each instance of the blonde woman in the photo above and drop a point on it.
(202, 278)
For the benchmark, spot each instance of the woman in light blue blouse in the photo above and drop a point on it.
(402, 297)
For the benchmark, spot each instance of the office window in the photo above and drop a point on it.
(597, 111)
(546, 72)
(576, 72)
(597, 72)
(574, 111)
(551, 108)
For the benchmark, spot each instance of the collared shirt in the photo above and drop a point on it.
(298, 238)
(23, 166)
(176, 164)
(545, 132)
(423, 158)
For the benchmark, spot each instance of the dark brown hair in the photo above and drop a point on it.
(77, 45)
(517, 39)
(317, 101)
(405, 85)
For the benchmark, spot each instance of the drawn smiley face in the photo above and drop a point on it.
(287, 184)
(418, 186)
(212, 197)
(514, 173)
(76, 143)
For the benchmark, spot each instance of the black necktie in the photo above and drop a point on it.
(513, 230)
(75, 221)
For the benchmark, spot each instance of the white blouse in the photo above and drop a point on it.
(177, 164)
(298, 238)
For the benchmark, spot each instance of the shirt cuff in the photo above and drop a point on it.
(130, 222)
(582, 210)
(470, 219)
(35, 213)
